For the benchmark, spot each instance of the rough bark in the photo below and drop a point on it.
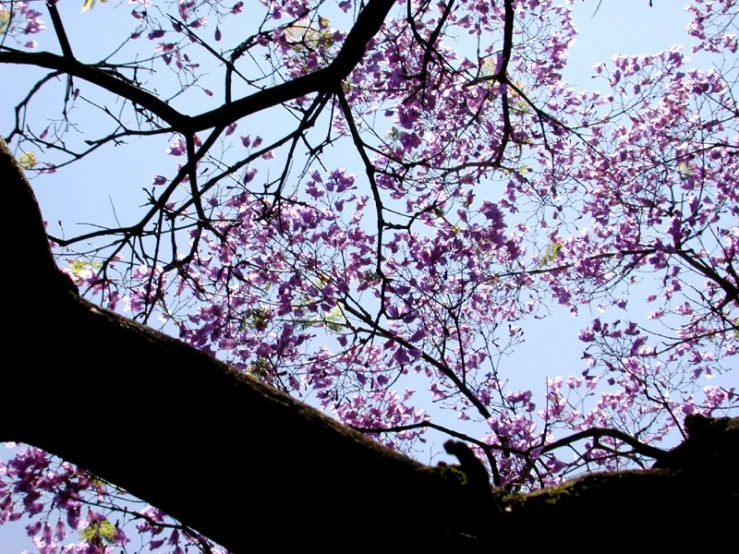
(247, 465)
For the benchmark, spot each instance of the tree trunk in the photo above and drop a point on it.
(245, 464)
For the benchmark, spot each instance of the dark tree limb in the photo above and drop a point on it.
(225, 454)
(368, 24)
(246, 465)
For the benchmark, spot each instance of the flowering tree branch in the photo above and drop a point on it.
(491, 193)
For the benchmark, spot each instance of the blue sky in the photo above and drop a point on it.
(86, 190)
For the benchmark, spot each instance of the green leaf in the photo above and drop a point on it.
(78, 266)
(4, 19)
(27, 160)
(98, 530)
(333, 319)
(550, 254)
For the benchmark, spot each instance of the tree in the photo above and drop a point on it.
(309, 281)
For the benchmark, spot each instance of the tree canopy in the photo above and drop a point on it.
(361, 208)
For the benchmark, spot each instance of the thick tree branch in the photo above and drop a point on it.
(61, 33)
(189, 434)
(26, 245)
(247, 465)
(107, 80)
(366, 27)
(329, 78)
